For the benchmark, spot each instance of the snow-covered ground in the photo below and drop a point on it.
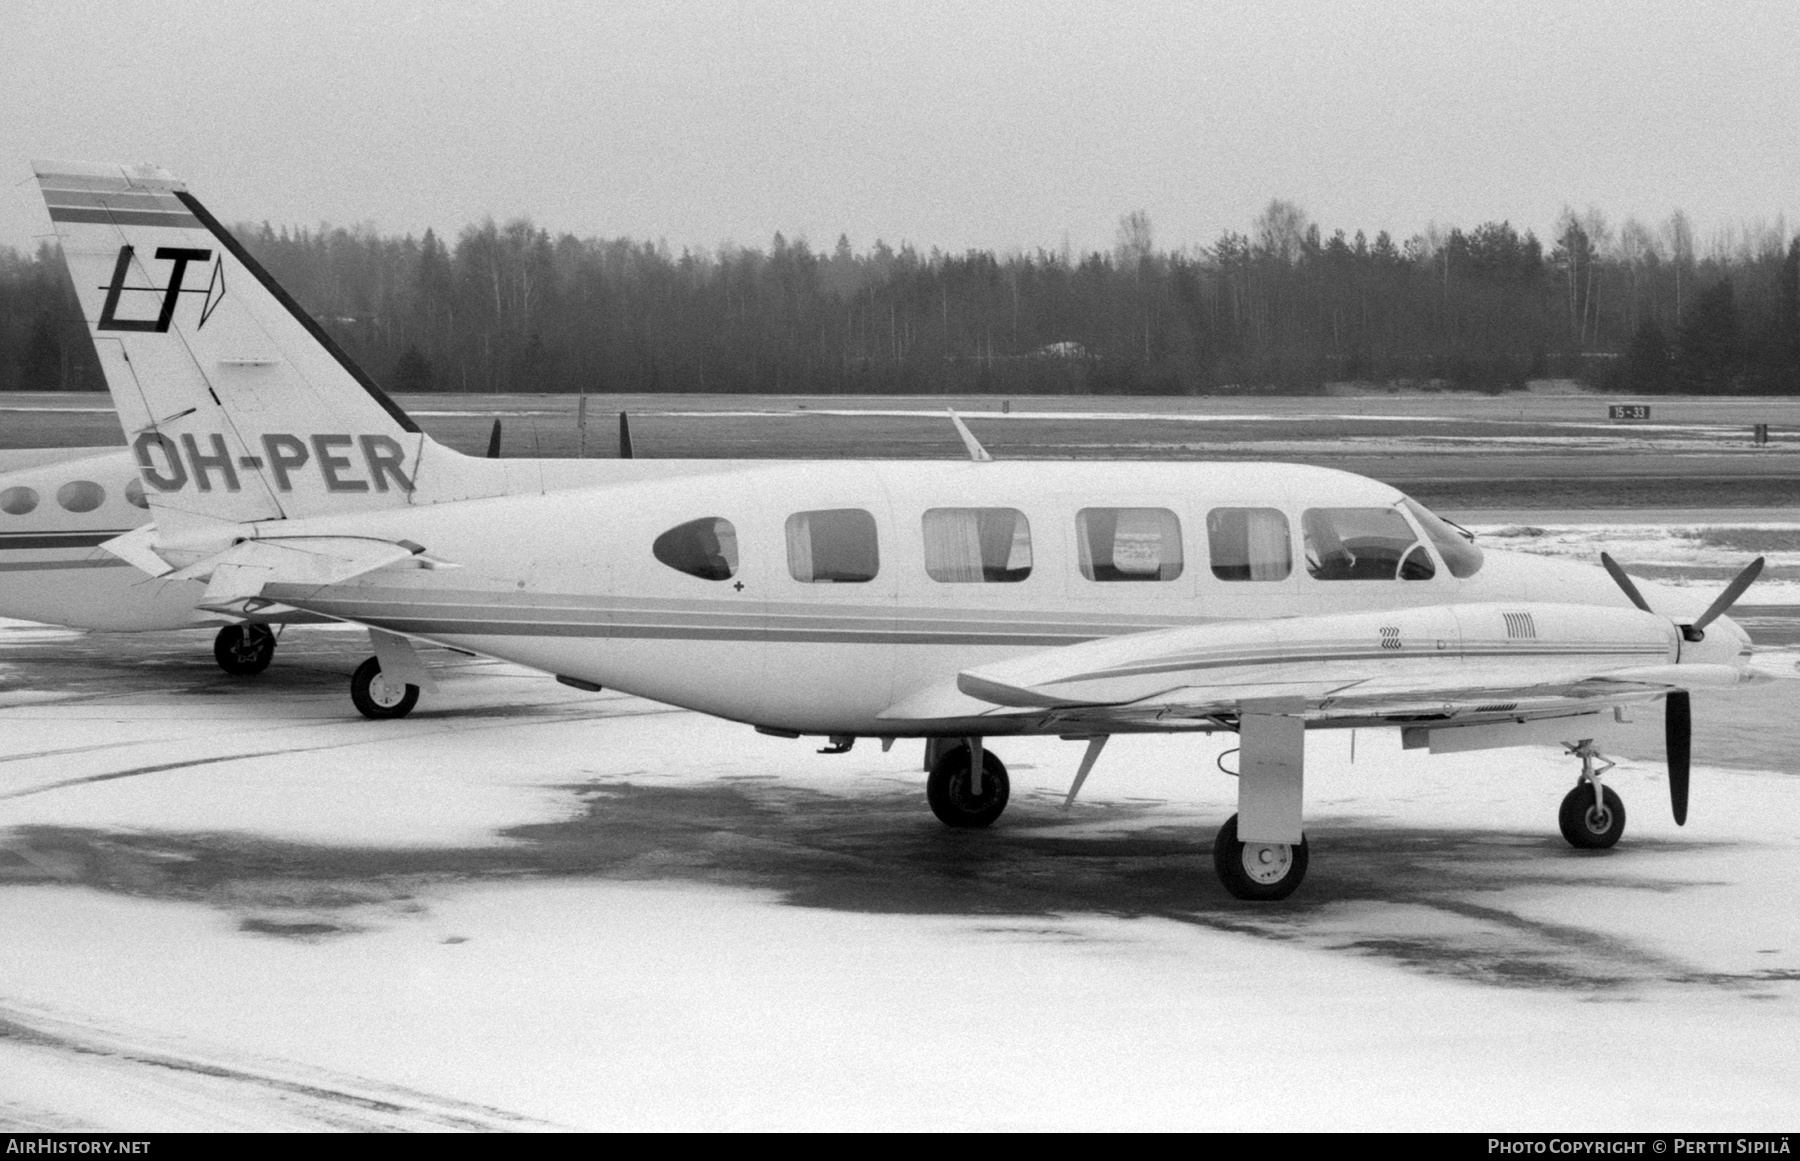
(238, 905)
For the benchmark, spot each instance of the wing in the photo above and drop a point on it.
(1464, 662)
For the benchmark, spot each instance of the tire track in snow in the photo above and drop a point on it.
(138, 1079)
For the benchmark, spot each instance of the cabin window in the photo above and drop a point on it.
(706, 548)
(1457, 547)
(1249, 544)
(134, 494)
(833, 546)
(81, 495)
(1363, 544)
(977, 545)
(17, 501)
(1128, 544)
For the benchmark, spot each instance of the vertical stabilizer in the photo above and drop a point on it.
(236, 405)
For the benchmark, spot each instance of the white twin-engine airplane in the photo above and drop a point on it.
(57, 506)
(956, 602)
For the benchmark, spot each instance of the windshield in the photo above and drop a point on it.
(1457, 548)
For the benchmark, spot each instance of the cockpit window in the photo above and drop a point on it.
(1128, 544)
(706, 548)
(1249, 544)
(1457, 548)
(833, 546)
(977, 545)
(1363, 544)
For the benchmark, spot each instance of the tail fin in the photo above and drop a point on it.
(237, 406)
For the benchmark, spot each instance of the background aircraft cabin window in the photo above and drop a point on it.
(834, 546)
(1457, 548)
(1128, 544)
(1363, 544)
(706, 548)
(81, 495)
(17, 501)
(134, 494)
(1249, 544)
(976, 545)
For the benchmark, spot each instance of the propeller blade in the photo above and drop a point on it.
(1732, 592)
(494, 442)
(1678, 733)
(1619, 578)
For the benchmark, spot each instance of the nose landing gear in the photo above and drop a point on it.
(1592, 816)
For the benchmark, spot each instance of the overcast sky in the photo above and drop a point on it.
(957, 125)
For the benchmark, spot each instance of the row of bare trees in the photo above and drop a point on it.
(1284, 307)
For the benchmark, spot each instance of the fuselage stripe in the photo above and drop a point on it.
(54, 565)
(25, 540)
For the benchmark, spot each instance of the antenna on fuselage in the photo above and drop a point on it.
(624, 437)
(494, 442)
(976, 452)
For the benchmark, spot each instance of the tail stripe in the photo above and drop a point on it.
(123, 217)
(225, 239)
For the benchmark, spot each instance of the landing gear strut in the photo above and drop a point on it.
(1592, 816)
(960, 800)
(377, 696)
(244, 650)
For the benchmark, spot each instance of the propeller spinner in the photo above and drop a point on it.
(1678, 714)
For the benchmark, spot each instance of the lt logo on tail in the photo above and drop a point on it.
(180, 256)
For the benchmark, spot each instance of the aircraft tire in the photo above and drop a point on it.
(947, 789)
(375, 699)
(244, 650)
(1587, 828)
(1261, 872)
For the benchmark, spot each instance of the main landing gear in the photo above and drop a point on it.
(1592, 816)
(958, 795)
(244, 650)
(1257, 871)
(1267, 866)
(376, 696)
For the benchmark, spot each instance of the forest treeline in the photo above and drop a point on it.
(1282, 308)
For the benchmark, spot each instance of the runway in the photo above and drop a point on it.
(237, 904)
(1452, 451)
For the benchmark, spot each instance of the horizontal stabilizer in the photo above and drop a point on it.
(239, 573)
(135, 549)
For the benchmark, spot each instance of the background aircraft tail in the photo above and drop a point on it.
(236, 405)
